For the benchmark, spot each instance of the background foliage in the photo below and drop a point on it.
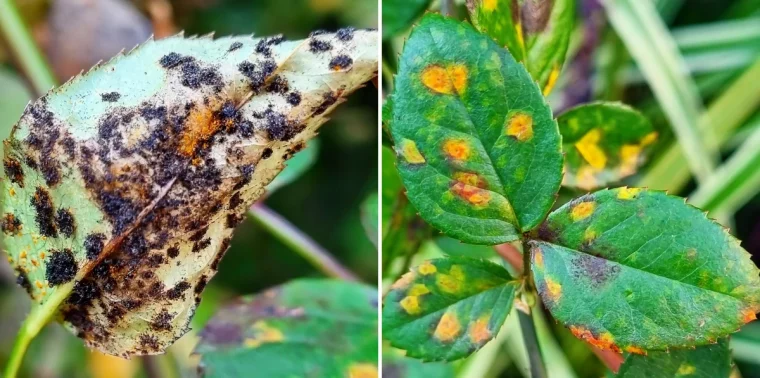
(324, 202)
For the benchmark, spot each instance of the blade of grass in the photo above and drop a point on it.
(299, 242)
(717, 35)
(25, 51)
(647, 39)
(728, 111)
(735, 182)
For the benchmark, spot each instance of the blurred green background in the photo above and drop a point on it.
(324, 202)
(718, 42)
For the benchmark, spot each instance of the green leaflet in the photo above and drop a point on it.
(122, 187)
(453, 247)
(446, 309)
(305, 328)
(396, 366)
(500, 19)
(603, 143)
(479, 152)
(537, 29)
(650, 271)
(398, 15)
(709, 361)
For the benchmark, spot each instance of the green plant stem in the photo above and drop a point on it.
(33, 324)
(299, 242)
(30, 59)
(537, 368)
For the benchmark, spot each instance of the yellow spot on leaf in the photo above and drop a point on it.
(448, 328)
(629, 159)
(448, 283)
(635, 350)
(686, 369)
(582, 210)
(553, 75)
(38, 284)
(479, 332)
(489, 5)
(445, 80)
(42, 255)
(589, 235)
(648, 139)
(410, 153)
(34, 262)
(418, 289)
(588, 147)
(11, 191)
(628, 193)
(520, 126)
(457, 272)
(263, 333)
(554, 289)
(748, 315)
(411, 304)
(22, 254)
(457, 149)
(362, 371)
(471, 194)
(471, 179)
(426, 268)
(538, 257)
(404, 281)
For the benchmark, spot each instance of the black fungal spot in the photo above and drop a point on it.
(346, 34)
(235, 200)
(93, 245)
(23, 280)
(31, 162)
(201, 284)
(245, 128)
(173, 252)
(61, 267)
(233, 220)
(235, 46)
(121, 210)
(50, 172)
(14, 171)
(10, 224)
(44, 214)
(176, 292)
(110, 96)
(198, 235)
(294, 98)
(65, 222)
(317, 46)
(201, 245)
(598, 270)
(278, 85)
(341, 62)
(84, 293)
(150, 112)
(193, 76)
(162, 321)
(328, 100)
(317, 32)
(172, 60)
(149, 342)
(267, 153)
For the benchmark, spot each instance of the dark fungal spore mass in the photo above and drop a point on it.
(14, 171)
(61, 267)
(110, 96)
(65, 222)
(341, 62)
(44, 214)
(318, 46)
(234, 46)
(93, 245)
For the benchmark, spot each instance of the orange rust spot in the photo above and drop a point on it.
(457, 149)
(553, 289)
(42, 255)
(458, 73)
(448, 283)
(479, 332)
(11, 191)
(520, 126)
(471, 194)
(38, 284)
(437, 79)
(538, 257)
(22, 254)
(362, 371)
(582, 210)
(201, 124)
(448, 327)
(603, 341)
(748, 315)
(635, 350)
(34, 262)
(472, 179)
(410, 153)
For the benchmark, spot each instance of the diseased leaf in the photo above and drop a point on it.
(603, 143)
(396, 366)
(650, 271)
(296, 166)
(535, 31)
(403, 231)
(123, 186)
(479, 152)
(370, 217)
(446, 309)
(500, 19)
(398, 15)
(709, 361)
(305, 328)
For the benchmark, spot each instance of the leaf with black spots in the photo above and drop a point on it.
(134, 175)
(305, 328)
(650, 271)
(604, 142)
(446, 309)
(479, 152)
